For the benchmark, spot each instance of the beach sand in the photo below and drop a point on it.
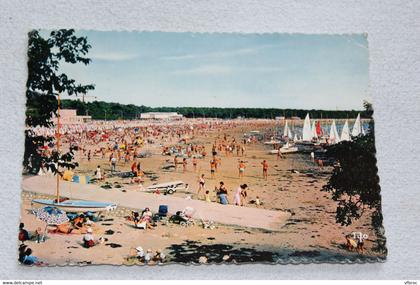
(310, 233)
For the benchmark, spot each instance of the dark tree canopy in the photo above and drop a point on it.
(100, 110)
(44, 84)
(354, 183)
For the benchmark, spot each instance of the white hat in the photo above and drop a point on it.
(139, 248)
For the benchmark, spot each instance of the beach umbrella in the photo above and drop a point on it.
(51, 216)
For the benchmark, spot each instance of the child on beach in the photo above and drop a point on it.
(207, 196)
(88, 239)
(98, 174)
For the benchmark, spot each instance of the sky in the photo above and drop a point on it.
(226, 70)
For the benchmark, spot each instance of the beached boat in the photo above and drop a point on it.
(67, 205)
(287, 148)
(314, 132)
(357, 127)
(76, 206)
(334, 137)
(345, 132)
(168, 188)
(272, 142)
(306, 131)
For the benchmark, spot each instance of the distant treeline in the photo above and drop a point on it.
(100, 110)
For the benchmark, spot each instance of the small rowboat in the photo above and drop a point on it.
(77, 206)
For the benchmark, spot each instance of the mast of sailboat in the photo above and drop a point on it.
(58, 147)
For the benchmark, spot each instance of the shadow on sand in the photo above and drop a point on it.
(190, 252)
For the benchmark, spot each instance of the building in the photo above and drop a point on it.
(70, 117)
(161, 116)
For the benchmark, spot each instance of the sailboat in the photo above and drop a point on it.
(73, 206)
(357, 127)
(345, 132)
(285, 131)
(306, 131)
(313, 131)
(334, 137)
(287, 148)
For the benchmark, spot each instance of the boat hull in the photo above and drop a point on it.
(289, 150)
(77, 206)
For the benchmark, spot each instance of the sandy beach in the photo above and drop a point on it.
(308, 231)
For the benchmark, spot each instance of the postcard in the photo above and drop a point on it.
(150, 148)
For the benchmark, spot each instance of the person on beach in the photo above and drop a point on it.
(265, 169)
(194, 162)
(207, 196)
(113, 164)
(201, 184)
(212, 168)
(38, 235)
(222, 193)
(240, 195)
(244, 194)
(184, 165)
(279, 155)
(23, 234)
(88, 239)
(176, 163)
(241, 168)
(98, 174)
(28, 258)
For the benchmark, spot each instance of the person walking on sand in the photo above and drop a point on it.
(176, 163)
(265, 169)
(279, 155)
(201, 184)
(237, 197)
(113, 164)
(212, 168)
(194, 162)
(98, 174)
(184, 165)
(241, 168)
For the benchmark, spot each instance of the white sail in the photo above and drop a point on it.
(307, 132)
(295, 138)
(289, 133)
(345, 132)
(313, 130)
(334, 137)
(286, 127)
(357, 127)
(363, 130)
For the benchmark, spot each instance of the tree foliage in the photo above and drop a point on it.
(100, 110)
(44, 84)
(354, 183)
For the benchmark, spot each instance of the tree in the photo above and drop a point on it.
(44, 84)
(354, 183)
